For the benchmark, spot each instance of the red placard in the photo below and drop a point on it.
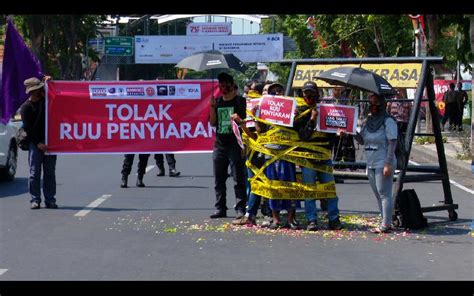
(167, 116)
(251, 103)
(333, 117)
(238, 136)
(278, 110)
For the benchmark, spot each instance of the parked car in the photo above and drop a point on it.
(8, 151)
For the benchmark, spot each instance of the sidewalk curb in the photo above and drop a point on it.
(428, 155)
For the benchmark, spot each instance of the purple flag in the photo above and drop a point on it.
(19, 64)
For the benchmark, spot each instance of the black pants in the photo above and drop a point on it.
(451, 114)
(128, 162)
(222, 157)
(459, 117)
(169, 159)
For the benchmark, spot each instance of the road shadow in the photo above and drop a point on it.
(108, 209)
(192, 176)
(16, 187)
(197, 187)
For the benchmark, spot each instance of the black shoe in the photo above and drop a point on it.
(51, 205)
(140, 182)
(174, 173)
(124, 182)
(312, 226)
(295, 225)
(161, 172)
(335, 224)
(219, 214)
(324, 204)
(35, 205)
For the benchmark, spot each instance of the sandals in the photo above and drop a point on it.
(381, 229)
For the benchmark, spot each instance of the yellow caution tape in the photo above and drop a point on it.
(312, 158)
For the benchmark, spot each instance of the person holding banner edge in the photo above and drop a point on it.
(306, 127)
(226, 149)
(34, 120)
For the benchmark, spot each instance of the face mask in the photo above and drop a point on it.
(374, 108)
(310, 100)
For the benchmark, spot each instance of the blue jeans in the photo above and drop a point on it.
(310, 176)
(38, 159)
(253, 200)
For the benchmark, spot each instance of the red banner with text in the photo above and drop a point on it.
(162, 116)
(334, 117)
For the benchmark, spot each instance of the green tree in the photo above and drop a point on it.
(59, 41)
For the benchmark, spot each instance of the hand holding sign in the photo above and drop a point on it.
(278, 110)
(235, 129)
(314, 114)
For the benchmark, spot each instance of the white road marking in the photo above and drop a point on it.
(2, 271)
(92, 205)
(148, 168)
(452, 182)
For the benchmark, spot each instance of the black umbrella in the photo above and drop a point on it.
(212, 59)
(359, 78)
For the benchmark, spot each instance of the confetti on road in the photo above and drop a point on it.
(356, 227)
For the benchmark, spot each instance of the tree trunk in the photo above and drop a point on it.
(378, 41)
(36, 35)
(432, 39)
(433, 29)
(471, 31)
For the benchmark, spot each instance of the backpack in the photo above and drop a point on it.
(400, 151)
(408, 212)
(22, 139)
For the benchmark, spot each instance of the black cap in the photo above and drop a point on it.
(224, 77)
(275, 85)
(310, 85)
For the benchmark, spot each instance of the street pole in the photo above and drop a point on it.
(458, 66)
(417, 54)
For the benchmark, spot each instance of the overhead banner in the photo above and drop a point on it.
(172, 49)
(278, 110)
(166, 116)
(398, 75)
(334, 117)
(199, 29)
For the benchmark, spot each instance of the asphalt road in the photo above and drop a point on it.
(163, 232)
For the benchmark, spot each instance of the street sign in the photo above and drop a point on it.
(119, 46)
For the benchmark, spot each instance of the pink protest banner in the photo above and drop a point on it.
(129, 117)
(278, 109)
(235, 129)
(333, 117)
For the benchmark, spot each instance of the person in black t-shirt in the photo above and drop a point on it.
(226, 149)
